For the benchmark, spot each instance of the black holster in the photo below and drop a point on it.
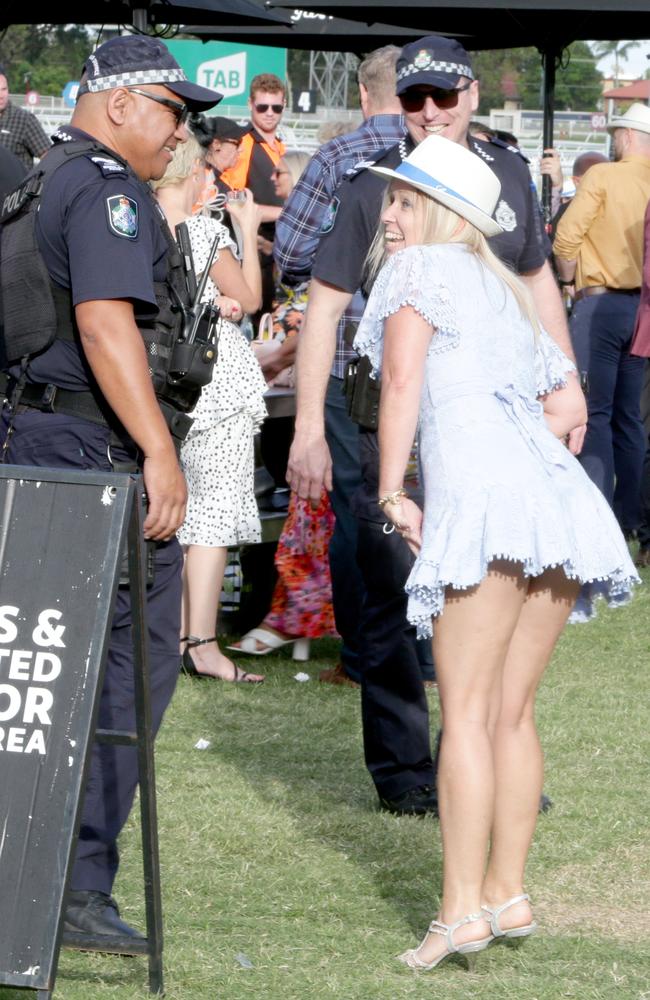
(362, 391)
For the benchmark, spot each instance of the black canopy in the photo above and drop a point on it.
(140, 12)
(333, 34)
(499, 24)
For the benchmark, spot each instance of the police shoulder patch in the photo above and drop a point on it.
(122, 215)
(330, 216)
(506, 216)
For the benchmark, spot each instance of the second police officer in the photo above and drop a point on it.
(439, 94)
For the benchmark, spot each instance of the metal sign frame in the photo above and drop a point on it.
(122, 517)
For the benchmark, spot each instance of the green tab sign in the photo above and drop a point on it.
(228, 67)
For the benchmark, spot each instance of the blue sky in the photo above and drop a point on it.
(635, 66)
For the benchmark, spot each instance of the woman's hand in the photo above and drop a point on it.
(407, 518)
(229, 308)
(246, 213)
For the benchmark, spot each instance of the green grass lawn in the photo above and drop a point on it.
(272, 847)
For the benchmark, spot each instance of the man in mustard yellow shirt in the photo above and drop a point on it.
(599, 249)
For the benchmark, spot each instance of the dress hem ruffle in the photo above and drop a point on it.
(615, 588)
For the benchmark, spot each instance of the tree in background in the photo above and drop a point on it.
(619, 50)
(518, 74)
(43, 57)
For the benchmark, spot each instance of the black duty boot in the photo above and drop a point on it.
(417, 801)
(93, 914)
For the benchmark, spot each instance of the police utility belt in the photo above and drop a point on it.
(179, 336)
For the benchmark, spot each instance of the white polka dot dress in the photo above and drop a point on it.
(217, 456)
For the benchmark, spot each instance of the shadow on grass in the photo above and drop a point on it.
(299, 746)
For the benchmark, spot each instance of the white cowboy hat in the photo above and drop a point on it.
(637, 117)
(450, 174)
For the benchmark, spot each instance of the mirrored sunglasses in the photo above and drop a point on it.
(181, 111)
(277, 109)
(414, 98)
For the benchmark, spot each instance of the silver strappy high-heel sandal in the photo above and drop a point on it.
(511, 933)
(466, 950)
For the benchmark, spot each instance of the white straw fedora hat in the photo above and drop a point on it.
(637, 116)
(452, 175)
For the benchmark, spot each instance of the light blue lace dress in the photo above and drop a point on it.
(497, 483)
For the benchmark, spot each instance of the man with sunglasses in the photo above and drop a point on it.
(439, 95)
(260, 152)
(84, 398)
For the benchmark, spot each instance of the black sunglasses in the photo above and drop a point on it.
(414, 98)
(181, 111)
(277, 109)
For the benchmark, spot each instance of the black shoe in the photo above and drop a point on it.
(96, 914)
(545, 804)
(418, 801)
(642, 558)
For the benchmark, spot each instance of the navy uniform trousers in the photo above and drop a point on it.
(58, 441)
(396, 737)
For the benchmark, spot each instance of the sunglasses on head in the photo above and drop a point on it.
(277, 109)
(181, 111)
(414, 98)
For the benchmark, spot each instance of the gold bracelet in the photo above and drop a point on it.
(393, 498)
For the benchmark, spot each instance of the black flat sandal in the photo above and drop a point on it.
(189, 669)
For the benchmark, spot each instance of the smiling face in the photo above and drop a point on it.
(268, 120)
(450, 122)
(151, 131)
(402, 218)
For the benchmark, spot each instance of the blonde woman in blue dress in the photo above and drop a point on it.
(511, 527)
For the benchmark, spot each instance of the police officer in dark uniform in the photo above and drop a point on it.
(439, 94)
(92, 395)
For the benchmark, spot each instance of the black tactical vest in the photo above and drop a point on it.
(36, 311)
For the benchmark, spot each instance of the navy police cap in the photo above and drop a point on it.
(135, 60)
(434, 61)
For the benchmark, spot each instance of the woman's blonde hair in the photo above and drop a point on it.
(295, 161)
(440, 224)
(182, 164)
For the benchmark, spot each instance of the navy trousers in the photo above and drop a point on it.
(57, 441)
(394, 709)
(615, 443)
(347, 585)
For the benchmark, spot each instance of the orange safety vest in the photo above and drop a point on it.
(237, 175)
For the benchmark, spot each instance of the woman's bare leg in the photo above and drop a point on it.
(518, 761)
(471, 640)
(203, 580)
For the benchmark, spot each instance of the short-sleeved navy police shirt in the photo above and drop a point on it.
(340, 258)
(523, 245)
(99, 233)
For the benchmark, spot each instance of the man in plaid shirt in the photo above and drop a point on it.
(309, 213)
(20, 131)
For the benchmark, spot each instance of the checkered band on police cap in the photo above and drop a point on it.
(135, 79)
(458, 69)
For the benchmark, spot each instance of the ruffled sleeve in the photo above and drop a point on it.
(413, 277)
(551, 365)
